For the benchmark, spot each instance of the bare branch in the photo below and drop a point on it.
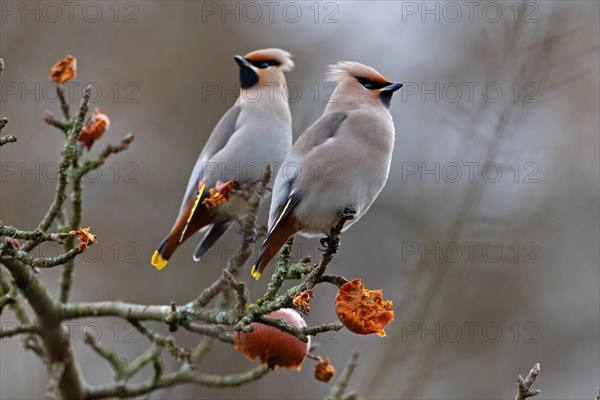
(38, 235)
(55, 371)
(15, 306)
(3, 122)
(181, 376)
(300, 333)
(56, 341)
(6, 299)
(338, 390)
(64, 106)
(159, 340)
(131, 312)
(278, 277)
(43, 262)
(240, 291)
(68, 154)
(118, 364)
(216, 331)
(19, 330)
(334, 280)
(110, 149)
(524, 385)
(144, 359)
(7, 139)
(51, 120)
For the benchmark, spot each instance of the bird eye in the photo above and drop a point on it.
(264, 65)
(367, 84)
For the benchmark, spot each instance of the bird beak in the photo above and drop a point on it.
(242, 62)
(392, 87)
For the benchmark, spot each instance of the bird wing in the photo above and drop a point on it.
(282, 221)
(315, 135)
(319, 132)
(219, 137)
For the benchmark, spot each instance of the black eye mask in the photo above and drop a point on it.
(264, 64)
(369, 84)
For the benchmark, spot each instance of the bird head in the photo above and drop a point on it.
(264, 66)
(358, 81)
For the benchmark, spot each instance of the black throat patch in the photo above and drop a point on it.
(248, 77)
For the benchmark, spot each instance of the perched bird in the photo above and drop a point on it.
(341, 162)
(255, 132)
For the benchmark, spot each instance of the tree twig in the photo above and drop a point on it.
(216, 331)
(18, 330)
(524, 385)
(339, 388)
(56, 340)
(278, 277)
(144, 359)
(55, 371)
(51, 120)
(300, 333)
(38, 235)
(43, 262)
(64, 106)
(90, 165)
(7, 139)
(174, 378)
(118, 364)
(69, 152)
(240, 291)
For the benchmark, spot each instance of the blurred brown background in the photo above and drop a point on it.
(485, 237)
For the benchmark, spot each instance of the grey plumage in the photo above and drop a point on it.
(254, 133)
(341, 161)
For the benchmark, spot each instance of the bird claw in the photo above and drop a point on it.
(329, 244)
(348, 213)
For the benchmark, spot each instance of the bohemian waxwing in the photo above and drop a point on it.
(255, 132)
(341, 162)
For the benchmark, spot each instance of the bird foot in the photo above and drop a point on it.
(348, 213)
(330, 244)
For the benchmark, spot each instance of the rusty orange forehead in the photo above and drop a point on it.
(283, 57)
(375, 77)
(258, 55)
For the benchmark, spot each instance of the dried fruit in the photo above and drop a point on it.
(220, 194)
(85, 238)
(324, 371)
(301, 301)
(361, 310)
(95, 126)
(64, 70)
(272, 346)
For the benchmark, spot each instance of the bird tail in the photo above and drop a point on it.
(213, 235)
(286, 226)
(184, 227)
(165, 249)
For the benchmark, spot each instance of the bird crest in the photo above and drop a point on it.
(352, 69)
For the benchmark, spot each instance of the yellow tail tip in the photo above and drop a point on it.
(255, 273)
(158, 261)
